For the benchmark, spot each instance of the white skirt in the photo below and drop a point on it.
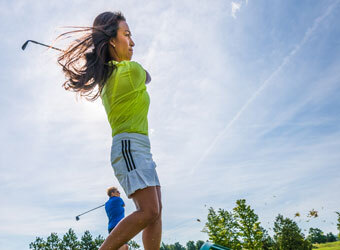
(132, 162)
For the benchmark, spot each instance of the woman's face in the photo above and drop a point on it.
(121, 46)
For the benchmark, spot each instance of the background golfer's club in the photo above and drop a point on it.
(77, 217)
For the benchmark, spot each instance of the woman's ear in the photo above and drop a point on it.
(112, 42)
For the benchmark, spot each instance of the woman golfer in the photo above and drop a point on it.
(99, 64)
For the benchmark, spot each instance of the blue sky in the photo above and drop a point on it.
(245, 100)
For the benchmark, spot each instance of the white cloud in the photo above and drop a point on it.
(235, 7)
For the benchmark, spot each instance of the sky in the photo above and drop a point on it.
(245, 104)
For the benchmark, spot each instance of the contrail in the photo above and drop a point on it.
(285, 61)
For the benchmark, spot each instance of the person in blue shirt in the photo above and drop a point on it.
(115, 210)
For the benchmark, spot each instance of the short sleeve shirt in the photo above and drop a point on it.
(115, 211)
(125, 98)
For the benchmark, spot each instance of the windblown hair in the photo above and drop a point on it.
(85, 61)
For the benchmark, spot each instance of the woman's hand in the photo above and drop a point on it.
(148, 77)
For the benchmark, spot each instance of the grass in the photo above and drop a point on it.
(328, 246)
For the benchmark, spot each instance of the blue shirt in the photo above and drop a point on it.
(115, 211)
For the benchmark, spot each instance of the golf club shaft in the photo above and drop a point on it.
(91, 210)
(42, 44)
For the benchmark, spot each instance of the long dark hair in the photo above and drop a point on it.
(85, 61)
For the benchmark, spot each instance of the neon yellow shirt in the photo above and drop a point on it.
(125, 98)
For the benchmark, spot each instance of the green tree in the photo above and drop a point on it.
(222, 229)
(191, 245)
(248, 226)
(133, 244)
(316, 236)
(87, 242)
(267, 241)
(53, 241)
(330, 237)
(199, 244)
(164, 246)
(239, 229)
(99, 240)
(338, 224)
(176, 246)
(68, 242)
(38, 244)
(288, 235)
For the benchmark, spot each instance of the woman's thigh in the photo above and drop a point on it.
(148, 199)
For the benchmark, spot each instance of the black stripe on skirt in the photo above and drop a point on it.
(125, 156)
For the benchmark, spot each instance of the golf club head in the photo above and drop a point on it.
(77, 218)
(23, 47)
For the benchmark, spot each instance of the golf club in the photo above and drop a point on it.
(77, 217)
(23, 47)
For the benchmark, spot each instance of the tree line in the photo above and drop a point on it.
(241, 229)
(238, 229)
